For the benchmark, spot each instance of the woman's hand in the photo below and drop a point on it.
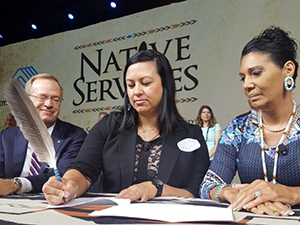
(273, 209)
(260, 192)
(59, 192)
(227, 194)
(143, 191)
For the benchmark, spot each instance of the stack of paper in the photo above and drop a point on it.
(168, 212)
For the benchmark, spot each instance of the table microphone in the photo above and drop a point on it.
(146, 146)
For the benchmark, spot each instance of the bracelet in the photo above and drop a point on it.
(219, 189)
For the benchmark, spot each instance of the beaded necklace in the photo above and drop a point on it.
(284, 135)
(271, 130)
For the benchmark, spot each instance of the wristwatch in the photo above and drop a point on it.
(17, 182)
(159, 186)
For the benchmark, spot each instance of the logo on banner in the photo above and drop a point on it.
(24, 74)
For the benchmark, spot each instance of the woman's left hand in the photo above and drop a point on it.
(143, 191)
(258, 192)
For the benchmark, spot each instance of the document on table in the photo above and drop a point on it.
(168, 212)
(92, 201)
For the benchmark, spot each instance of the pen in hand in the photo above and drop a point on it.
(57, 175)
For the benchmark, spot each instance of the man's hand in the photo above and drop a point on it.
(7, 187)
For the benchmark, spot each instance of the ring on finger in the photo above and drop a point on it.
(289, 206)
(256, 194)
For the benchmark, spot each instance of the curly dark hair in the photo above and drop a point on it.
(277, 43)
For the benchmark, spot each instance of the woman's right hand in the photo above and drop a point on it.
(59, 192)
(228, 194)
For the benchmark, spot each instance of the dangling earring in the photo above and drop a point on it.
(128, 106)
(289, 83)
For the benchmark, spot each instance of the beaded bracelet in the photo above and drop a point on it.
(219, 189)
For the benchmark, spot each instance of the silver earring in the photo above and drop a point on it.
(128, 106)
(289, 83)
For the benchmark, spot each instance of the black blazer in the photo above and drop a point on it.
(67, 139)
(113, 154)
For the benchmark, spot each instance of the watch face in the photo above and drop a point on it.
(157, 182)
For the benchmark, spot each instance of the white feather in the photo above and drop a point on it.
(30, 122)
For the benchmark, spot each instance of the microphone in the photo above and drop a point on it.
(146, 146)
(282, 149)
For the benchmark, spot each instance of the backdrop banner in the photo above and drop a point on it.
(202, 39)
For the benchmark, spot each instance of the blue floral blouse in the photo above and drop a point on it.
(239, 150)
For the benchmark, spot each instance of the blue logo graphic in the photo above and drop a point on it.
(24, 74)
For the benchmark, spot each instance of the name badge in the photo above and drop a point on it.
(188, 145)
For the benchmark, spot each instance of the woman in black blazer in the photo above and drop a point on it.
(144, 151)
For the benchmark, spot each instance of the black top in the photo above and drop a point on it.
(147, 156)
(114, 154)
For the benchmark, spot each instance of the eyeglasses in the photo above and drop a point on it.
(40, 98)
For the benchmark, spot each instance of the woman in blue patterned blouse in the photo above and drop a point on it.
(263, 144)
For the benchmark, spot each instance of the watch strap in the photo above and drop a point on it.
(159, 186)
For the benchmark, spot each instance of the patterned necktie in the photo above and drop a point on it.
(35, 165)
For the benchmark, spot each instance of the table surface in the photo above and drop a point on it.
(31, 209)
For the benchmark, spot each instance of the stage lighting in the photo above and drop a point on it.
(1, 36)
(34, 26)
(113, 4)
(70, 16)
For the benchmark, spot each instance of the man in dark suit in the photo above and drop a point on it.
(17, 172)
(10, 121)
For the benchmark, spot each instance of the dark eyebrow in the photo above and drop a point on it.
(141, 78)
(252, 68)
(255, 67)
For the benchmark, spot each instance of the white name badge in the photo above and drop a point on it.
(188, 145)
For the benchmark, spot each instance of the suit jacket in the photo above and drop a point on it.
(114, 155)
(67, 139)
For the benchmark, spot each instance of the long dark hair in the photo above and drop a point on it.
(169, 117)
(211, 123)
(277, 43)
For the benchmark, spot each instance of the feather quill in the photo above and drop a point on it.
(31, 124)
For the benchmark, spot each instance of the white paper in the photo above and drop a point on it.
(168, 212)
(92, 200)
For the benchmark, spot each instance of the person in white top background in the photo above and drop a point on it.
(210, 128)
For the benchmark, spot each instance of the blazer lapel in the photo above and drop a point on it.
(20, 151)
(126, 145)
(58, 137)
(169, 155)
